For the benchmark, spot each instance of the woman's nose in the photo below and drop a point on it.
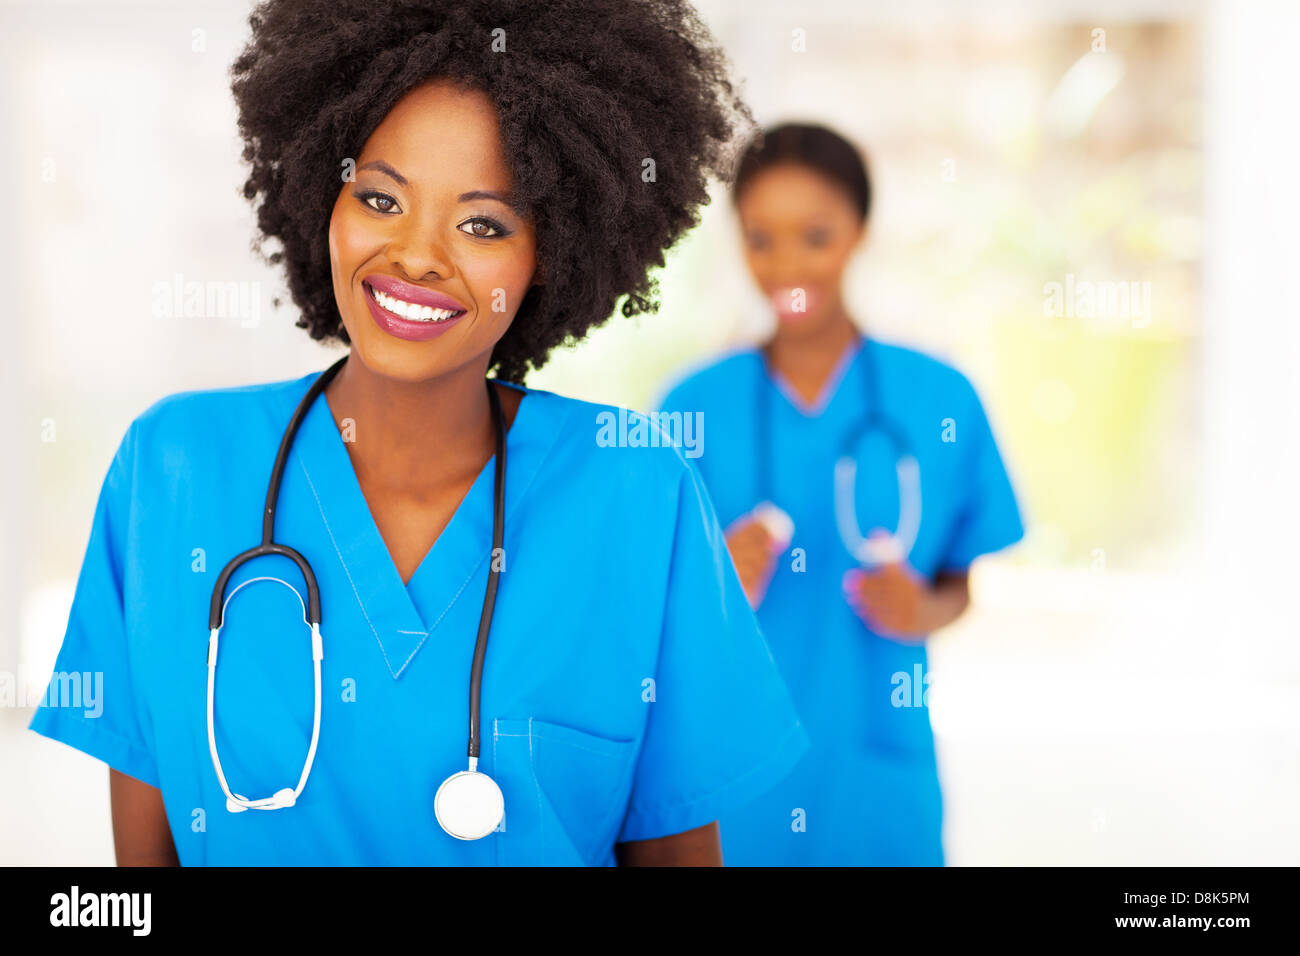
(419, 249)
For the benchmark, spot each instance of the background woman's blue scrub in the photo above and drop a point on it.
(627, 693)
(868, 790)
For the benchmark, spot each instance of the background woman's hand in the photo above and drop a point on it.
(754, 552)
(891, 600)
(897, 602)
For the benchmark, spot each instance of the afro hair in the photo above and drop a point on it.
(590, 94)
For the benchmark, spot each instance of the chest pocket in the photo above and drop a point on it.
(566, 793)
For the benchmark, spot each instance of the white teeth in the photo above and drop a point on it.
(409, 310)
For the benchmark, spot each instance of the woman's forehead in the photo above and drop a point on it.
(791, 192)
(441, 134)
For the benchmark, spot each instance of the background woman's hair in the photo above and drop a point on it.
(816, 147)
(588, 93)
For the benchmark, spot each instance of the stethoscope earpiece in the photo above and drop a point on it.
(238, 803)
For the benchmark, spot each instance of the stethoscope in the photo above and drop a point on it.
(469, 804)
(881, 549)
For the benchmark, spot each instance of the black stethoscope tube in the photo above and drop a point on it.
(490, 597)
(269, 547)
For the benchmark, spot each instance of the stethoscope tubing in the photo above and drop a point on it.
(268, 545)
(312, 607)
(490, 596)
(864, 550)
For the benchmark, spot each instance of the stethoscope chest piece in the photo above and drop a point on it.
(469, 805)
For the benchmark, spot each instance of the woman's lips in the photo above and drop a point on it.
(437, 312)
(408, 292)
(793, 303)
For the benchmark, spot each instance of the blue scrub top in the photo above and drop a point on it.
(627, 692)
(868, 790)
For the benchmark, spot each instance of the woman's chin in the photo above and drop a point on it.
(393, 358)
(401, 360)
(801, 324)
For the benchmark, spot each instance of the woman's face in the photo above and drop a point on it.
(427, 224)
(800, 231)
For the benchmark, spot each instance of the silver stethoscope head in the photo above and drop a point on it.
(469, 805)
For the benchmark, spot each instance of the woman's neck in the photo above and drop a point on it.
(808, 359)
(408, 437)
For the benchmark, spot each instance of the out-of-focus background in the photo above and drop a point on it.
(1089, 207)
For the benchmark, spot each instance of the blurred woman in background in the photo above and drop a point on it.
(823, 444)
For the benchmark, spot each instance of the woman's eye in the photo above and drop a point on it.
(483, 228)
(376, 200)
(757, 241)
(818, 237)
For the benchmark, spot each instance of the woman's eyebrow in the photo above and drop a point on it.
(383, 167)
(484, 194)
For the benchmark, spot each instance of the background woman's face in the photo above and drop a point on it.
(800, 231)
(429, 207)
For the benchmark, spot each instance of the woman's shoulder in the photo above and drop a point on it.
(704, 377)
(194, 424)
(916, 368)
(595, 439)
(187, 406)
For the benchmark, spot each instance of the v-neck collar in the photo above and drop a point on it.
(404, 616)
(830, 388)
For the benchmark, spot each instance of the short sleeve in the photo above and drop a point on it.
(989, 518)
(722, 728)
(90, 701)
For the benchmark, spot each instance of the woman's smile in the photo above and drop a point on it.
(409, 311)
(795, 303)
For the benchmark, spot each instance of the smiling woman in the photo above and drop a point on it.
(608, 119)
(456, 188)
